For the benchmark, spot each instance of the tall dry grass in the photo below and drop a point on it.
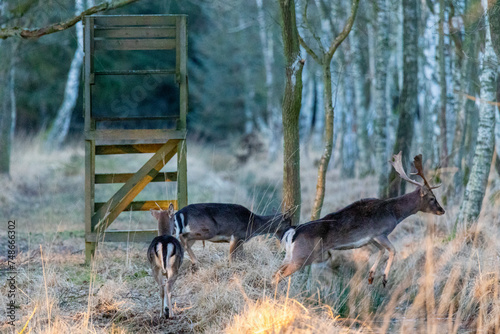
(435, 285)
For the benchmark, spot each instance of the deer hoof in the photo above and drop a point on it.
(384, 281)
(166, 313)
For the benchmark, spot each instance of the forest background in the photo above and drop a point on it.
(371, 78)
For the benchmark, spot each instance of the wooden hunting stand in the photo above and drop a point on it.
(127, 34)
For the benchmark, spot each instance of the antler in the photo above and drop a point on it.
(398, 167)
(417, 162)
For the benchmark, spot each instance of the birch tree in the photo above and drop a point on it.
(60, 127)
(443, 93)
(272, 103)
(481, 164)
(8, 50)
(409, 93)
(381, 56)
(359, 64)
(465, 81)
(324, 59)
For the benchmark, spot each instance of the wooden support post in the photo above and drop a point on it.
(89, 125)
(181, 67)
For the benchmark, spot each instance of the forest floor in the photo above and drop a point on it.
(437, 284)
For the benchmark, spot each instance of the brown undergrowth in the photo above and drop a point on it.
(436, 284)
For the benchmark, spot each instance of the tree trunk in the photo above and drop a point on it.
(60, 128)
(7, 104)
(309, 102)
(494, 19)
(360, 65)
(325, 60)
(409, 93)
(381, 57)
(464, 75)
(349, 146)
(328, 142)
(442, 83)
(481, 164)
(272, 103)
(291, 110)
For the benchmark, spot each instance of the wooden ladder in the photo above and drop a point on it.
(126, 33)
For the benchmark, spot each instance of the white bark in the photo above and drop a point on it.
(12, 95)
(272, 104)
(381, 57)
(476, 187)
(60, 127)
(360, 99)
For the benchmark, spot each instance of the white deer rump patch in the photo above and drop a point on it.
(286, 241)
(180, 227)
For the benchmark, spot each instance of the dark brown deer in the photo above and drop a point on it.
(219, 222)
(368, 221)
(165, 255)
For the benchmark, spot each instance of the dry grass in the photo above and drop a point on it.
(435, 285)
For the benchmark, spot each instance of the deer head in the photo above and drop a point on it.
(165, 220)
(428, 201)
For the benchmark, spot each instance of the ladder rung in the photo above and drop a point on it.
(123, 177)
(151, 135)
(123, 236)
(134, 72)
(143, 205)
(126, 149)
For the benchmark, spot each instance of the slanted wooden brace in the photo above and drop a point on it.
(126, 33)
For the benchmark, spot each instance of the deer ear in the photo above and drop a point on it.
(171, 209)
(154, 213)
(423, 191)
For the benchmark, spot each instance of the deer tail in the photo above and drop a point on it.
(159, 259)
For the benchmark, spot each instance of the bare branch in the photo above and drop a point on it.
(311, 30)
(345, 32)
(309, 50)
(60, 26)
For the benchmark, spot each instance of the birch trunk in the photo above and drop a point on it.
(7, 104)
(464, 74)
(291, 110)
(481, 164)
(272, 103)
(409, 93)
(443, 94)
(60, 128)
(381, 57)
(360, 101)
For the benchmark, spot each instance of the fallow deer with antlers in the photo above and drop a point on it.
(368, 221)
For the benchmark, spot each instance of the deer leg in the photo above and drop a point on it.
(285, 270)
(162, 296)
(234, 246)
(379, 257)
(187, 246)
(170, 283)
(392, 252)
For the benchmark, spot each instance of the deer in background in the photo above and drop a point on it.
(165, 255)
(368, 221)
(219, 222)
